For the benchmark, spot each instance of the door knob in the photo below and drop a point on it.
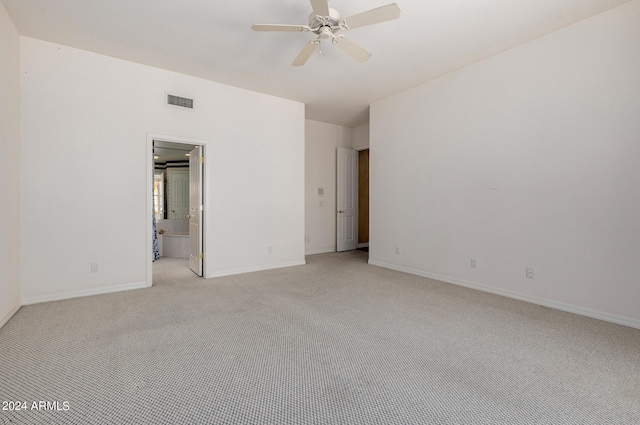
(340, 211)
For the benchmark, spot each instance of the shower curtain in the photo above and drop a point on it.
(156, 250)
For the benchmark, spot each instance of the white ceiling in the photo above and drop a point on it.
(213, 39)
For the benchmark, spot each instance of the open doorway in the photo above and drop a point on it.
(363, 200)
(177, 200)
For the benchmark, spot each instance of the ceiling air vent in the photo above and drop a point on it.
(182, 102)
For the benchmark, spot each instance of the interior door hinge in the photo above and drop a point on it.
(202, 255)
(202, 160)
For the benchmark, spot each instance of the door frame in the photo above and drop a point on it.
(149, 204)
(360, 149)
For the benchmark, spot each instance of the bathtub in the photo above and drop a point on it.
(174, 244)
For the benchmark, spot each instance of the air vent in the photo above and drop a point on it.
(182, 102)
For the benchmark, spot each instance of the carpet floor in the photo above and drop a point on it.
(336, 341)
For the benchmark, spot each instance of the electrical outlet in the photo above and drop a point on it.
(474, 263)
(397, 250)
(270, 249)
(94, 267)
(530, 273)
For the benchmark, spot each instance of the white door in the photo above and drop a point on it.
(196, 254)
(347, 202)
(178, 193)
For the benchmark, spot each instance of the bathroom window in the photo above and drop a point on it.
(158, 195)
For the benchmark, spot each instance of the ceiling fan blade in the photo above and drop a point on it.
(352, 49)
(306, 53)
(275, 27)
(320, 7)
(374, 16)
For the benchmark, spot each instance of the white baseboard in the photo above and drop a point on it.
(4, 319)
(232, 272)
(86, 293)
(320, 251)
(569, 308)
(363, 245)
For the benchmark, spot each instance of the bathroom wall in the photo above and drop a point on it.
(174, 226)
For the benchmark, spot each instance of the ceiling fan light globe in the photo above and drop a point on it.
(325, 33)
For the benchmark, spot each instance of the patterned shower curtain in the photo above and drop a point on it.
(156, 250)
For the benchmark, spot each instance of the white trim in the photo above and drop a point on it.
(9, 315)
(256, 269)
(360, 149)
(150, 183)
(320, 251)
(206, 196)
(85, 293)
(570, 308)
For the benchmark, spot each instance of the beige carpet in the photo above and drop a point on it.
(334, 342)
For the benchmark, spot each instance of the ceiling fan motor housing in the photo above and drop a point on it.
(324, 25)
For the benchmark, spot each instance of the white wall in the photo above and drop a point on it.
(527, 159)
(9, 167)
(360, 137)
(321, 142)
(82, 112)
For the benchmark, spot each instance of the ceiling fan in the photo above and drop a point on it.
(325, 22)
